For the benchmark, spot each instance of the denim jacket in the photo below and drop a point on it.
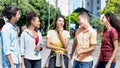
(10, 43)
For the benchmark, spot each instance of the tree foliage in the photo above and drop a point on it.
(42, 6)
(95, 22)
(73, 18)
(112, 6)
(39, 6)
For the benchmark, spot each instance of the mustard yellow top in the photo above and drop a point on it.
(55, 41)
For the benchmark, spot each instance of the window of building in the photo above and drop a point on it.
(98, 14)
(106, 1)
(98, 1)
(88, 4)
(98, 7)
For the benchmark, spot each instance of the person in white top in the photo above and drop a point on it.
(31, 42)
(10, 44)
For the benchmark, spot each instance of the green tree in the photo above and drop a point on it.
(73, 18)
(112, 6)
(96, 23)
(39, 6)
(42, 7)
(24, 7)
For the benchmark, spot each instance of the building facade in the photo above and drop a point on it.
(66, 7)
(93, 6)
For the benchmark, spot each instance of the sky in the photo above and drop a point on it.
(76, 3)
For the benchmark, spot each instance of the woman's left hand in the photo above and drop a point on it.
(22, 66)
(108, 65)
(38, 48)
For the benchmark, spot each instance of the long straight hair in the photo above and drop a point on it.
(114, 22)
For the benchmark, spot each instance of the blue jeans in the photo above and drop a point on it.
(78, 64)
(102, 64)
(32, 63)
(7, 65)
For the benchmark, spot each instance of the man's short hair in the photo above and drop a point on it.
(84, 14)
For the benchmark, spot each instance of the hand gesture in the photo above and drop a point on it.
(108, 65)
(38, 48)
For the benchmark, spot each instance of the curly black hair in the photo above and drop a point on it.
(9, 11)
(30, 16)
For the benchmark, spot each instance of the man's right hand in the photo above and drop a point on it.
(71, 56)
(12, 66)
(22, 66)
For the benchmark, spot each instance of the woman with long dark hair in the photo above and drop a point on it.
(110, 37)
(58, 40)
